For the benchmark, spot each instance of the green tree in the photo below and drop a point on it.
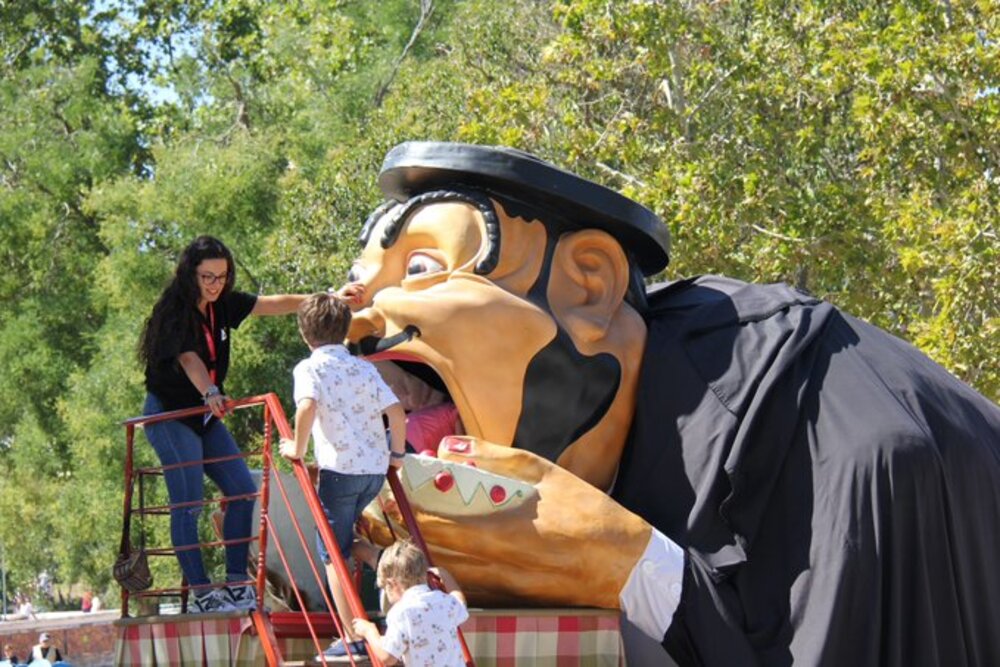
(61, 132)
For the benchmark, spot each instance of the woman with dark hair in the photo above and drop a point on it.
(185, 348)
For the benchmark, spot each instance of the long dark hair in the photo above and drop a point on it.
(177, 308)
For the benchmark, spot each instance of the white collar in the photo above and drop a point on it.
(331, 349)
(416, 590)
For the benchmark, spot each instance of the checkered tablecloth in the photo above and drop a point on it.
(181, 640)
(497, 638)
(545, 638)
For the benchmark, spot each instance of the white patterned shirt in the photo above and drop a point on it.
(348, 434)
(422, 628)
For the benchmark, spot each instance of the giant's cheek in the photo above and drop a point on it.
(479, 338)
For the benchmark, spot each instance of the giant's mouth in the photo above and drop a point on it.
(554, 413)
(432, 413)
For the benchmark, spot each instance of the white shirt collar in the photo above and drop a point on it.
(331, 349)
(415, 590)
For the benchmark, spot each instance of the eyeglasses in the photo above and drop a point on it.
(208, 279)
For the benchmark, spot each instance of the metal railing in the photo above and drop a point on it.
(274, 416)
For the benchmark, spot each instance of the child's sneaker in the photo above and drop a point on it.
(213, 602)
(338, 650)
(243, 597)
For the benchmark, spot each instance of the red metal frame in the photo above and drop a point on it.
(131, 474)
(264, 622)
(273, 415)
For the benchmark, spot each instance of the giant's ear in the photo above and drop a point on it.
(587, 283)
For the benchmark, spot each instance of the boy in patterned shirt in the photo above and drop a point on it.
(422, 625)
(340, 400)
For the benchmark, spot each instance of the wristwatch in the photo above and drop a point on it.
(213, 390)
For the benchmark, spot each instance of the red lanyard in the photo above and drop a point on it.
(210, 340)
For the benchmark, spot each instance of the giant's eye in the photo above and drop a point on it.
(420, 263)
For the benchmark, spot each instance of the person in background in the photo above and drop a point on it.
(87, 602)
(422, 625)
(340, 400)
(185, 349)
(25, 610)
(9, 656)
(44, 650)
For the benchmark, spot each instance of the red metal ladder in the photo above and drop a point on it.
(274, 415)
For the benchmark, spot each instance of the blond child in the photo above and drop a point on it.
(422, 625)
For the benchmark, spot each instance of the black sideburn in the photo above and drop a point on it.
(565, 395)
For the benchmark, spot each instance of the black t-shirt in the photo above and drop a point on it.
(167, 380)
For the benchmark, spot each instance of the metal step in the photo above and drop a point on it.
(360, 662)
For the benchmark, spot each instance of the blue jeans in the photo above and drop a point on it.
(176, 443)
(343, 498)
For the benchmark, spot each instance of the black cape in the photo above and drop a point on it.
(836, 491)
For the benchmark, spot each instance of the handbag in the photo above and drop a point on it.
(131, 568)
(131, 571)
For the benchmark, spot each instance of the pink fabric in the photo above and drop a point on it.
(426, 427)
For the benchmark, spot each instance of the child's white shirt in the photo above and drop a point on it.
(422, 628)
(348, 434)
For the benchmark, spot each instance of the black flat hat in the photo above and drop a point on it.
(418, 166)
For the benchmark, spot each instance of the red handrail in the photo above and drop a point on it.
(329, 541)
(411, 525)
(326, 534)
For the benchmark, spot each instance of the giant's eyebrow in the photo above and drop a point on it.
(401, 213)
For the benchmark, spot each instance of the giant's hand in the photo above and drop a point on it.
(562, 543)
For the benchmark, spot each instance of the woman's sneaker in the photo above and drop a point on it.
(213, 602)
(243, 597)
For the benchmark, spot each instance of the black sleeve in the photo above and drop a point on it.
(239, 305)
(173, 343)
(189, 340)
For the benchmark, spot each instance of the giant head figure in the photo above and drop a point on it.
(518, 285)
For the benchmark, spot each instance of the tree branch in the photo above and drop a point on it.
(67, 128)
(426, 9)
(242, 108)
(622, 175)
(953, 112)
(607, 126)
(708, 93)
(776, 235)
(679, 98)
